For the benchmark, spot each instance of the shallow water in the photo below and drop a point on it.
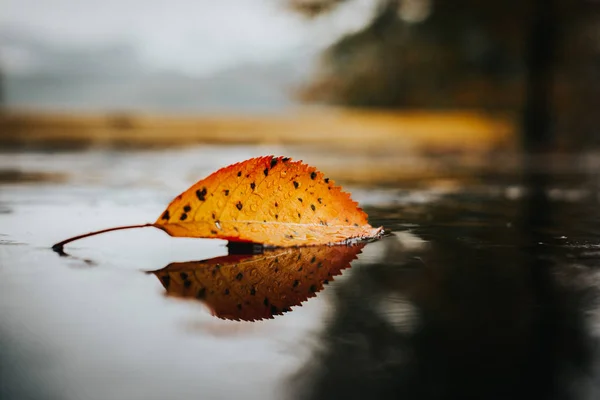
(488, 288)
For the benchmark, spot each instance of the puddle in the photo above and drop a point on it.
(487, 288)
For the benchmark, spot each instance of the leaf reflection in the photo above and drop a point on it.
(254, 287)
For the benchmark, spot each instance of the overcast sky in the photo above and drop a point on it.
(194, 36)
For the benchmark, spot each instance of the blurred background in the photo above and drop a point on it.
(435, 74)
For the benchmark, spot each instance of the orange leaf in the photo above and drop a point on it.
(260, 286)
(267, 200)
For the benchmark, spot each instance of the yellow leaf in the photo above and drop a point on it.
(273, 201)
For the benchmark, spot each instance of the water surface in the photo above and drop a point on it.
(488, 288)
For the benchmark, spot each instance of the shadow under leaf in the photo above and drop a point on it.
(255, 287)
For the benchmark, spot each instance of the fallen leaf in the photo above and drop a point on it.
(270, 200)
(256, 287)
(273, 201)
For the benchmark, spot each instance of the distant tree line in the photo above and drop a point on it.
(538, 59)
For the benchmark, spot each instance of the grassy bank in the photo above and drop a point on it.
(354, 130)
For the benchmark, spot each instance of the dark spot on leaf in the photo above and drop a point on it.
(312, 207)
(166, 215)
(227, 291)
(187, 208)
(289, 236)
(300, 269)
(276, 216)
(183, 275)
(296, 282)
(201, 194)
(239, 173)
(213, 232)
(325, 281)
(296, 185)
(312, 260)
(273, 162)
(187, 283)
(285, 159)
(273, 310)
(312, 288)
(239, 276)
(201, 293)
(252, 292)
(226, 192)
(236, 229)
(252, 185)
(266, 301)
(326, 180)
(299, 215)
(300, 199)
(320, 200)
(239, 205)
(313, 175)
(320, 264)
(346, 220)
(166, 280)
(266, 171)
(183, 217)
(356, 225)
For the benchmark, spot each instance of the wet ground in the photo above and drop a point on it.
(487, 288)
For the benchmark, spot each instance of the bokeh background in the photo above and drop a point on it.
(517, 69)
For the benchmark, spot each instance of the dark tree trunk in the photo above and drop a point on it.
(538, 114)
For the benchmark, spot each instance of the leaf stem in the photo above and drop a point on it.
(58, 247)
